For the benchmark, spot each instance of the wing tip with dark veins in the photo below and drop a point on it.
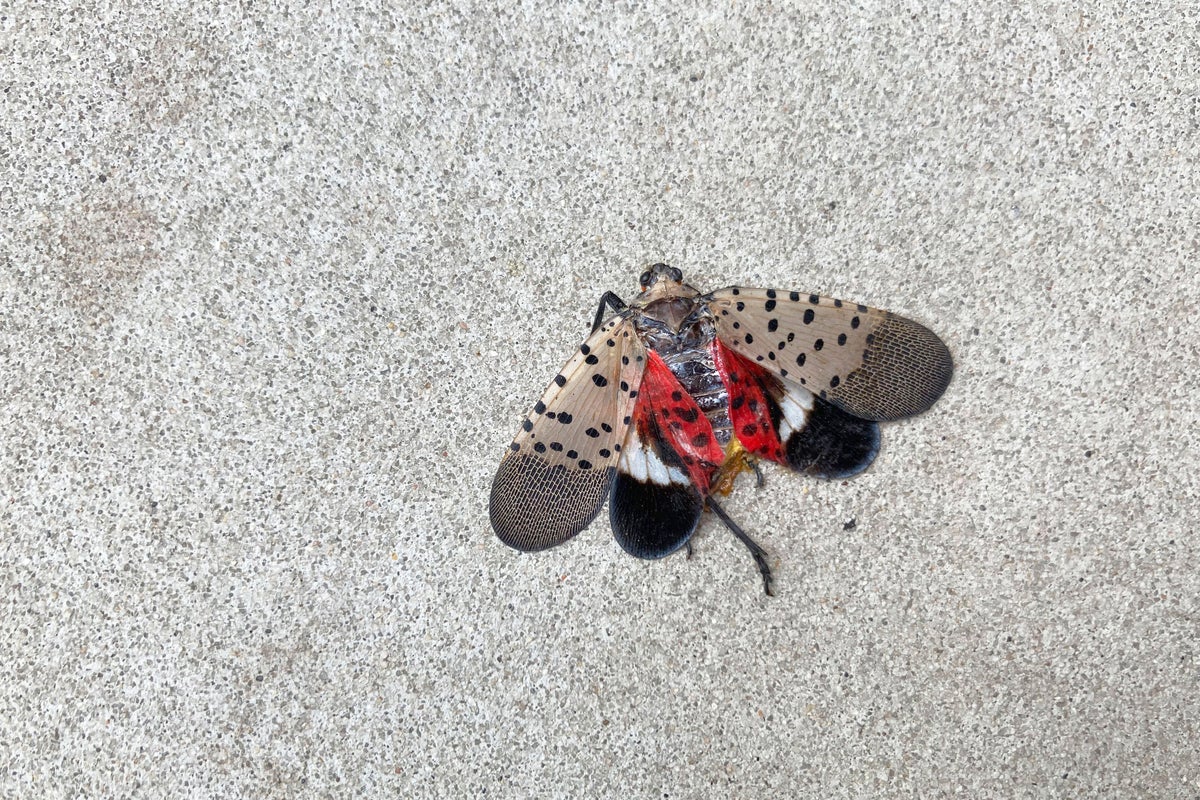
(905, 369)
(535, 505)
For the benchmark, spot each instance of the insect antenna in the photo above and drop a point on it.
(760, 555)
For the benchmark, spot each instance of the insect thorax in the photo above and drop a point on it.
(687, 353)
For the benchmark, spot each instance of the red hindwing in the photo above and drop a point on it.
(749, 402)
(666, 409)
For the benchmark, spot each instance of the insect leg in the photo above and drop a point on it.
(760, 481)
(760, 555)
(609, 299)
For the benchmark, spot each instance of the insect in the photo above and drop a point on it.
(675, 394)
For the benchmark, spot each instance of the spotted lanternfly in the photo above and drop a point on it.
(674, 395)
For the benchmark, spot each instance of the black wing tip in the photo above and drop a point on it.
(907, 368)
(833, 444)
(651, 521)
(534, 505)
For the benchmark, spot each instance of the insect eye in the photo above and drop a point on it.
(645, 279)
(676, 274)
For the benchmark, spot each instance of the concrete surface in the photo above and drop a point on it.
(278, 283)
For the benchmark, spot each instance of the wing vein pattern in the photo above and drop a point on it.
(870, 363)
(557, 471)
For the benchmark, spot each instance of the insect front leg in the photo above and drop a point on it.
(609, 299)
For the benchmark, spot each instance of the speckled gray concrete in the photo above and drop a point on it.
(278, 286)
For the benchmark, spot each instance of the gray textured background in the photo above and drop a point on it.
(277, 286)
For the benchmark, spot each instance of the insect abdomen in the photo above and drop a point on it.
(688, 355)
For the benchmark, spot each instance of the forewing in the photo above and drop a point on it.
(870, 363)
(555, 474)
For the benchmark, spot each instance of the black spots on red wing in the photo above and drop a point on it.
(750, 429)
(600, 380)
(749, 338)
(591, 359)
(769, 305)
(540, 408)
(753, 405)
(855, 322)
(604, 426)
(737, 401)
(687, 413)
(539, 448)
(592, 433)
(814, 299)
(527, 426)
(605, 452)
(818, 344)
(585, 464)
(676, 395)
(735, 378)
(779, 454)
(773, 325)
(676, 426)
(809, 316)
(564, 418)
(800, 359)
(834, 381)
(556, 447)
(664, 413)
(700, 440)
(560, 381)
